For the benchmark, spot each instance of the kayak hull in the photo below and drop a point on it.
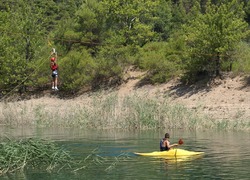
(172, 153)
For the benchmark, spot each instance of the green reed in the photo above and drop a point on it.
(18, 155)
(107, 111)
(43, 155)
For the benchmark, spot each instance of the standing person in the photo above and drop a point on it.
(165, 143)
(54, 68)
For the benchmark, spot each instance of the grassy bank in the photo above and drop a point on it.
(110, 111)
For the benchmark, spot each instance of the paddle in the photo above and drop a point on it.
(180, 142)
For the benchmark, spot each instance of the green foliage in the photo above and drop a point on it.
(161, 61)
(112, 60)
(132, 20)
(85, 30)
(200, 37)
(31, 153)
(241, 57)
(179, 15)
(22, 42)
(247, 10)
(213, 36)
(163, 20)
(76, 69)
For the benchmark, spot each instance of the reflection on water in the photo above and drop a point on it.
(183, 159)
(227, 154)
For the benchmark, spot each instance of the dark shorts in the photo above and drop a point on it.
(54, 74)
(164, 149)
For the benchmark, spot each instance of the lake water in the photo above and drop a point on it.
(110, 154)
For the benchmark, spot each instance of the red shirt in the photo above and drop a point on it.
(54, 67)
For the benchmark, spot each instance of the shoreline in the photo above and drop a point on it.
(224, 101)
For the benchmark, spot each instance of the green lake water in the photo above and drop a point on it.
(227, 154)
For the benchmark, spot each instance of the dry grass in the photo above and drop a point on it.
(101, 111)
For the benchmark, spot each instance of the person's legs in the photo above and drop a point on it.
(55, 83)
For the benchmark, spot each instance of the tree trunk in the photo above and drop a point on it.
(217, 64)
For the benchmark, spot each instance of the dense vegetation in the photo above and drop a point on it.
(18, 157)
(97, 40)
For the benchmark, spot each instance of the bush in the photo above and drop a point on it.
(112, 60)
(241, 58)
(76, 70)
(162, 62)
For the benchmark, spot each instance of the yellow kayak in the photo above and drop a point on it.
(172, 153)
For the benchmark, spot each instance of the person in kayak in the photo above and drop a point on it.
(165, 143)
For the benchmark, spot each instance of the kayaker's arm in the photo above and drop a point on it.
(177, 144)
(173, 145)
(166, 144)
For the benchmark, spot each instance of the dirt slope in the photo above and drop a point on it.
(221, 99)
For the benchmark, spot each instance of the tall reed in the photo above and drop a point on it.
(110, 111)
(19, 156)
(31, 153)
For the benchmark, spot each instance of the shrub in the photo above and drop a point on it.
(161, 61)
(76, 70)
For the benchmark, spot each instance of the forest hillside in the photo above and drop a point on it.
(95, 42)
